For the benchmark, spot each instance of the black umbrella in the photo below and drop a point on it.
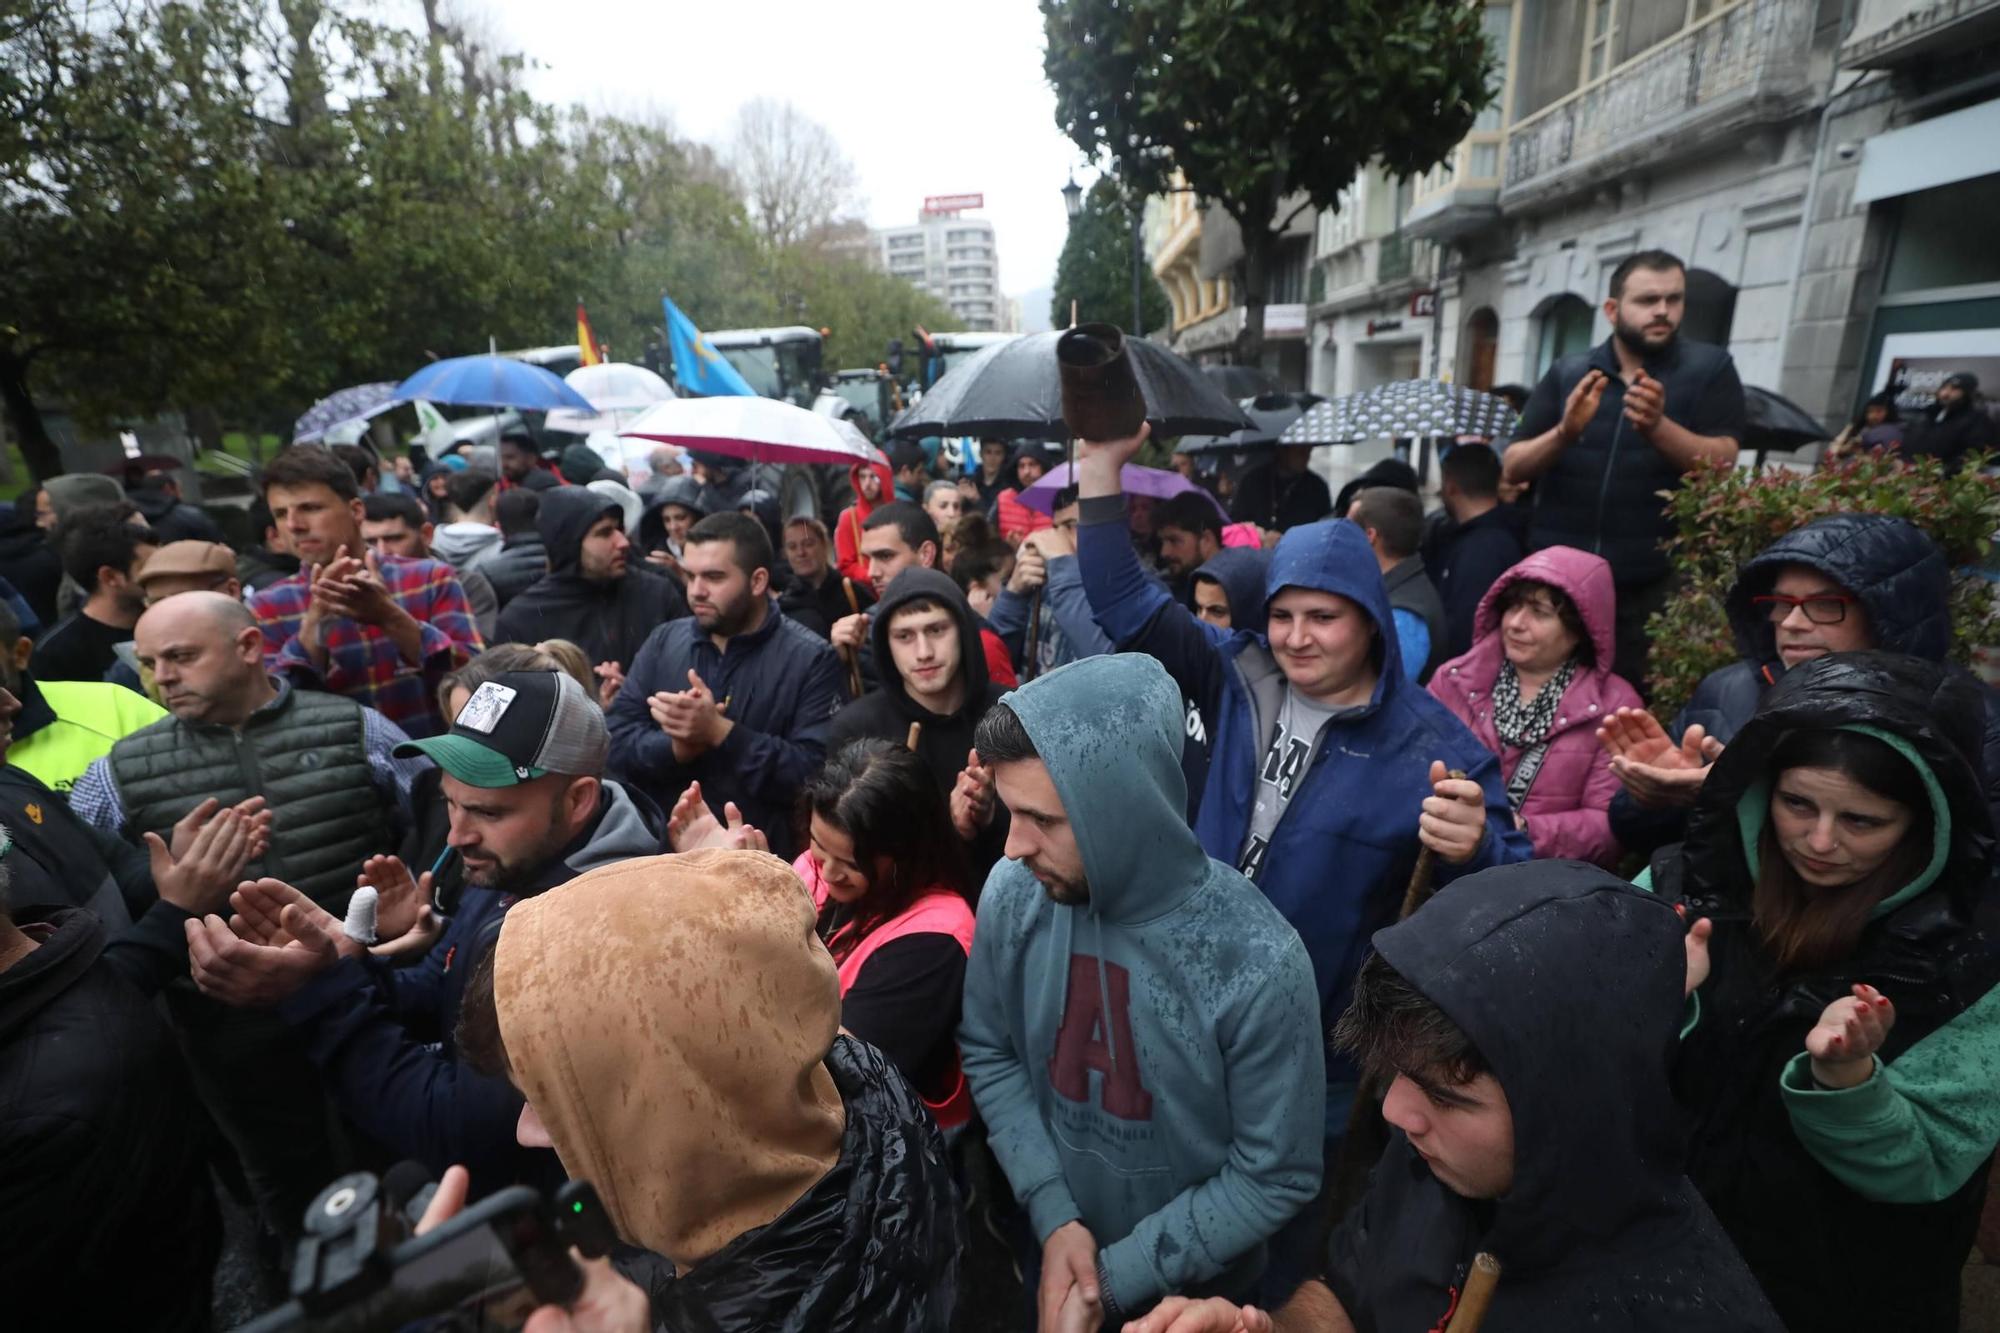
(1011, 391)
(1776, 425)
(1241, 381)
(1269, 414)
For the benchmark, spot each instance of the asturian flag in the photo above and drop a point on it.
(701, 369)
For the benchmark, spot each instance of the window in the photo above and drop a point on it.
(1565, 331)
(1597, 41)
(1497, 24)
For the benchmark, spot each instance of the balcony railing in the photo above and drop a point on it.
(1754, 52)
(1396, 258)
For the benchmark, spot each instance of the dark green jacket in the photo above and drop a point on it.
(305, 752)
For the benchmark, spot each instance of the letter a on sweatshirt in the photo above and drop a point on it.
(1081, 1046)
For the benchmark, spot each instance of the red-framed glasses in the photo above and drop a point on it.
(1822, 608)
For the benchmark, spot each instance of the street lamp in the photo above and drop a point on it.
(1072, 194)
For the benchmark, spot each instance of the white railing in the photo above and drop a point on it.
(1750, 48)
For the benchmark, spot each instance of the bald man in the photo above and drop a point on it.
(336, 795)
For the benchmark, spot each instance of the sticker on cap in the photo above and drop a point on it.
(488, 704)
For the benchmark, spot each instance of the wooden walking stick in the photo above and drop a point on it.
(1477, 1297)
(847, 654)
(1420, 889)
(1034, 636)
(916, 734)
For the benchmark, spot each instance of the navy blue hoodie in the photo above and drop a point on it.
(1340, 858)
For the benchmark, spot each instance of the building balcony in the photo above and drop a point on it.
(1887, 33)
(1744, 67)
(1461, 194)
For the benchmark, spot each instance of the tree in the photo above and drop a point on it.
(795, 179)
(1256, 104)
(1095, 268)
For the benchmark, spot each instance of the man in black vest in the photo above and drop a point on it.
(323, 764)
(1393, 518)
(1609, 429)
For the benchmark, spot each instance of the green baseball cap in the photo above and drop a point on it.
(517, 727)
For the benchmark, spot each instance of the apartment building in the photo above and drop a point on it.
(955, 259)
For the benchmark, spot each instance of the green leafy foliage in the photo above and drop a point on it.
(1095, 268)
(1726, 515)
(1255, 104)
(238, 206)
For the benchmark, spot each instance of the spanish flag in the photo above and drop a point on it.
(586, 341)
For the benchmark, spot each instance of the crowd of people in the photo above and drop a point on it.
(1301, 915)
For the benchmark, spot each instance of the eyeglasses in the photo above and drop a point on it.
(1827, 608)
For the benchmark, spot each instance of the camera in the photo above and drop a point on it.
(361, 1269)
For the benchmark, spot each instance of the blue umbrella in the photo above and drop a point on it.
(491, 381)
(359, 402)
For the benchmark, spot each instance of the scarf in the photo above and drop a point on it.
(1521, 725)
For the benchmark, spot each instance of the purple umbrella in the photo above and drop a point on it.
(1153, 481)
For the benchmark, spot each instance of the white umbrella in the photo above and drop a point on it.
(761, 430)
(613, 386)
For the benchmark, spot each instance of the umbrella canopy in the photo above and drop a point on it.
(619, 386)
(762, 430)
(1012, 391)
(1241, 381)
(491, 381)
(1156, 482)
(356, 403)
(1774, 424)
(1403, 407)
(1269, 414)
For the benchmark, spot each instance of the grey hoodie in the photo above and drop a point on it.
(464, 545)
(1149, 1063)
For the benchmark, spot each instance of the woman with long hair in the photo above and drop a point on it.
(1534, 688)
(1839, 1067)
(887, 874)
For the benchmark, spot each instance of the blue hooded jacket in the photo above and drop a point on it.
(1148, 1063)
(1340, 858)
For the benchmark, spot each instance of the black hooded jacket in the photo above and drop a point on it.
(29, 563)
(174, 520)
(1568, 981)
(872, 1247)
(1904, 583)
(1832, 1260)
(888, 710)
(517, 566)
(610, 619)
(106, 1215)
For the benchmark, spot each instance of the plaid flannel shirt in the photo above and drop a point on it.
(361, 660)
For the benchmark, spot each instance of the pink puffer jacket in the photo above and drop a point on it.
(1567, 807)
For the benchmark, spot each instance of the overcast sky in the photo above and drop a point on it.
(937, 97)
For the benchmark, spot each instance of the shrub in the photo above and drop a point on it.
(1725, 515)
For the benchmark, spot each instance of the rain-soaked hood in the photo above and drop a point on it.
(1109, 729)
(1239, 571)
(1333, 555)
(1930, 713)
(1582, 577)
(669, 1018)
(566, 514)
(1569, 981)
(1901, 577)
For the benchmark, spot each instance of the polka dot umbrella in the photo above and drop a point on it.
(1403, 408)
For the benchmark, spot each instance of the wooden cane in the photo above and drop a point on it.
(1420, 889)
(1034, 636)
(847, 654)
(1477, 1297)
(916, 734)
